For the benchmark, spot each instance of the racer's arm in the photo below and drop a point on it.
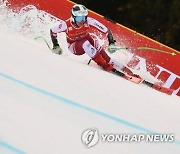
(93, 22)
(58, 28)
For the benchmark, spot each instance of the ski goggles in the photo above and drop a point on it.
(80, 18)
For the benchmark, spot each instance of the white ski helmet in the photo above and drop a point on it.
(79, 13)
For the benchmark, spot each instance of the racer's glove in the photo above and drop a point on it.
(112, 47)
(111, 40)
(57, 49)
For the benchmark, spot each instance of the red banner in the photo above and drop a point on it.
(147, 51)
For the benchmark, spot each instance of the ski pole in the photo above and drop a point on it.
(41, 37)
(143, 48)
(157, 50)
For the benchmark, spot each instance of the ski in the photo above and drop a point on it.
(128, 77)
(159, 88)
(139, 80)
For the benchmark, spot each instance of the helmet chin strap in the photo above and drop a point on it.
(79, 25)
(72, 19)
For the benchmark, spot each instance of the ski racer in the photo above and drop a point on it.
(80, 40)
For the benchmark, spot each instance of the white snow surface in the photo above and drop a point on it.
(48, 100)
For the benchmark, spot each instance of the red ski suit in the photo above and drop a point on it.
(80, 41)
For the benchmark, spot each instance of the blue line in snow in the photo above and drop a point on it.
(76, 104)
(10, 148)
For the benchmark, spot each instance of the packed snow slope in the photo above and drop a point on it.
(48, 100)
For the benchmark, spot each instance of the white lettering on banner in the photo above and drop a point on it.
(172, 77)
(168, 83)
(142, 63)
(176, 91)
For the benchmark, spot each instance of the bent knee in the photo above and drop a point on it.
(89, 49)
